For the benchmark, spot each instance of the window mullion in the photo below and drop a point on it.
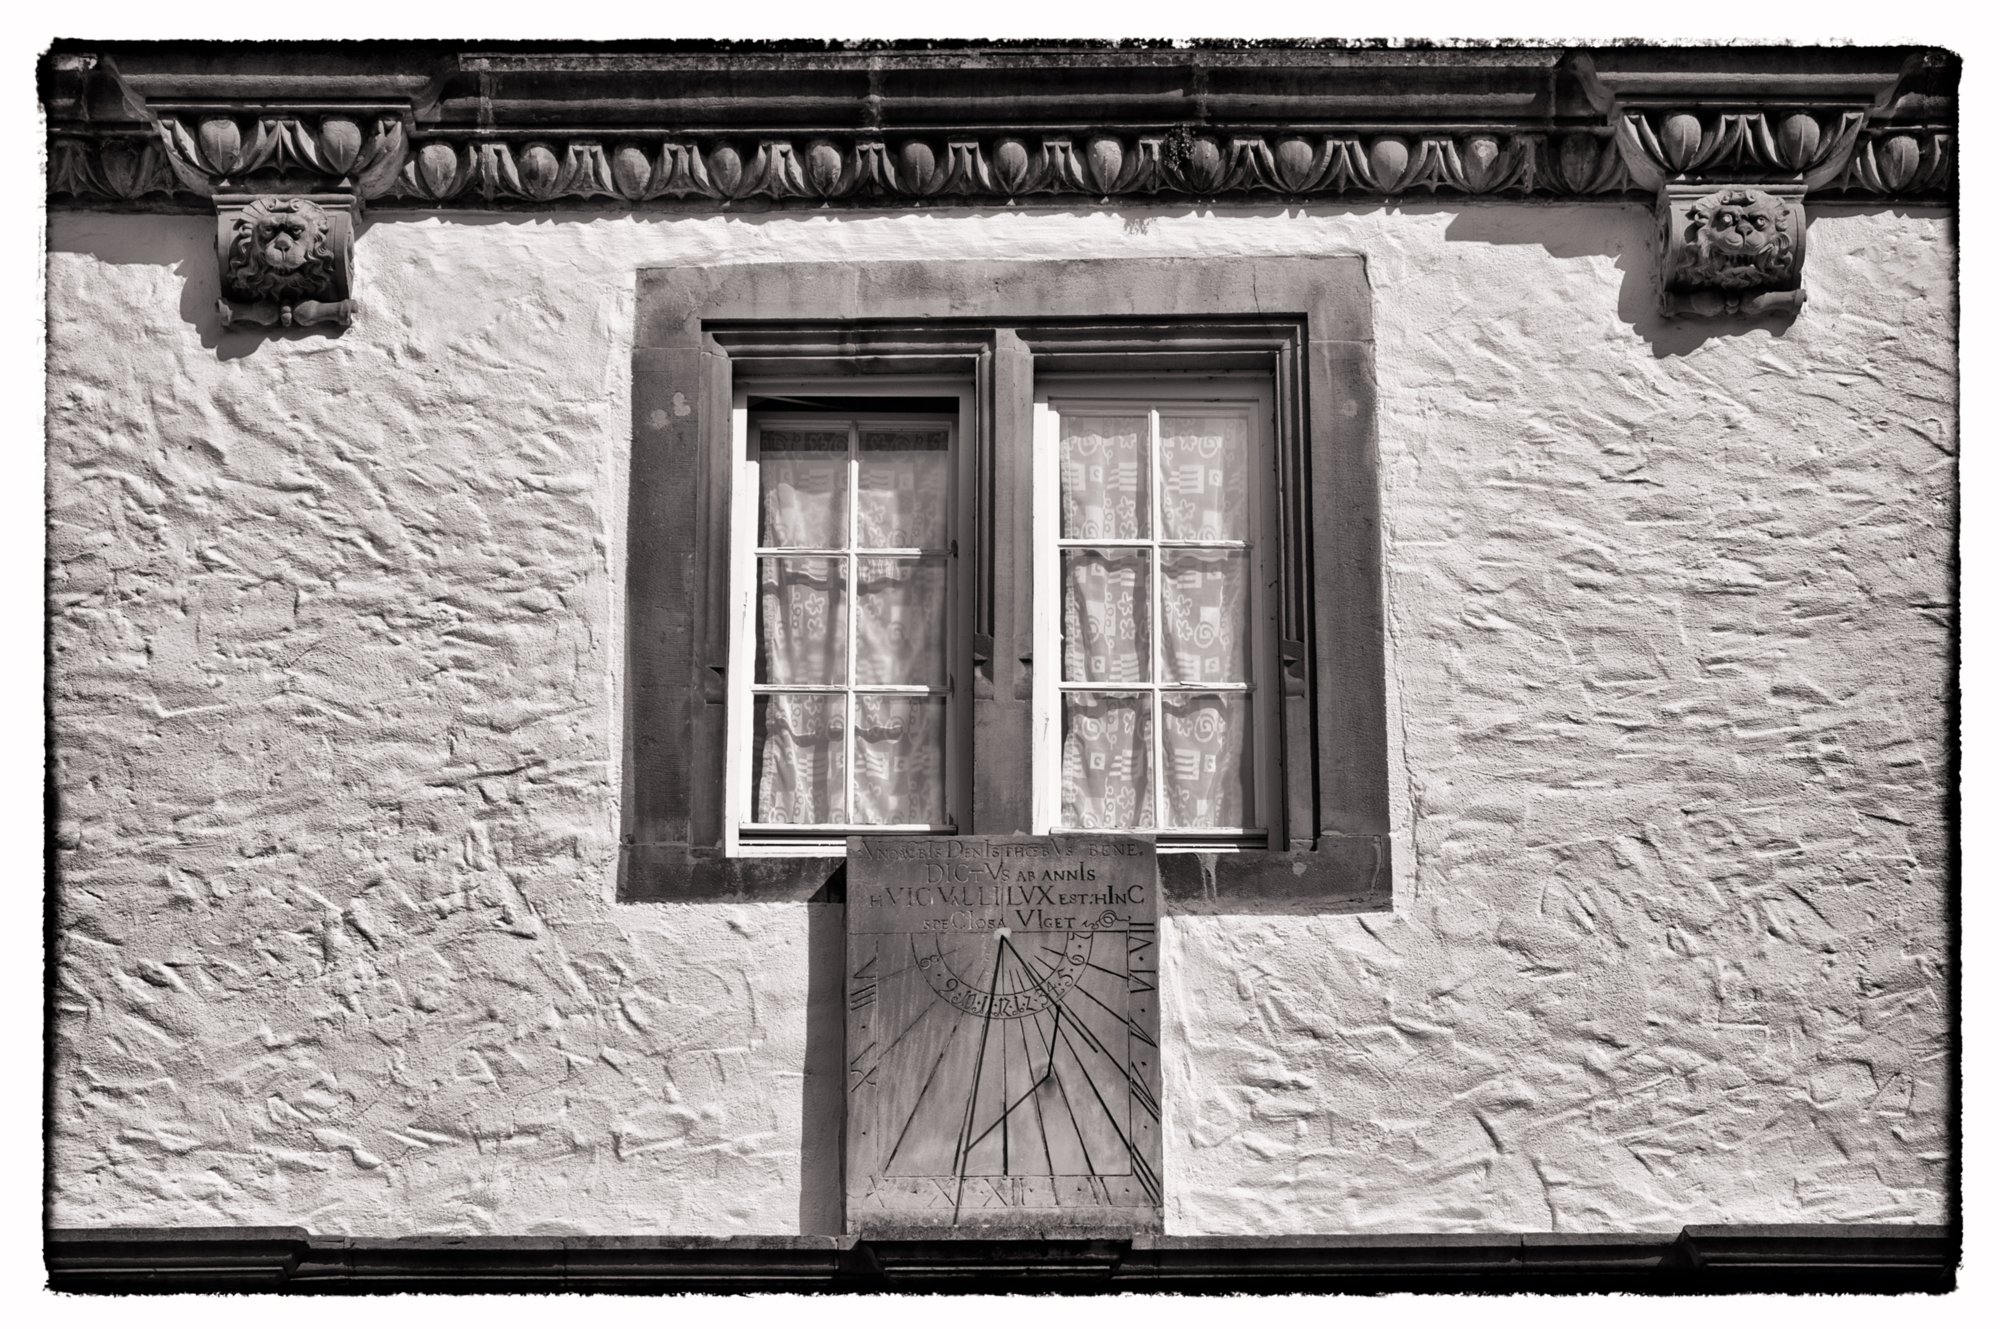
(1159, 600)
(853, 702)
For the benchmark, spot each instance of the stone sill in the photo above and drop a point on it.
(1872, 1258)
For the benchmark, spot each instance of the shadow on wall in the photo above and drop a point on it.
(822, 1097)
(187, 244)
(1621, 229)
(1637, 260)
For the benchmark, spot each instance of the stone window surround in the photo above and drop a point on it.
(703, 333)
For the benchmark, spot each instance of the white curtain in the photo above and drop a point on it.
(898, 761)
(894, 607)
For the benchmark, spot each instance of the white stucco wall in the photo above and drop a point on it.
(335, 655)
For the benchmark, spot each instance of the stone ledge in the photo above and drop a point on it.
(1872, 1258)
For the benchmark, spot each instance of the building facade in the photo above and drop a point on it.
(1487, 516)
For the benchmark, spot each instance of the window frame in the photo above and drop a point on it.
(742, 837)
(704, 332)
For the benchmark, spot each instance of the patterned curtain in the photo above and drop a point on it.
(1197, 568)
(899, 761)
(801, 758)
(1107, 760)
(1205, 746)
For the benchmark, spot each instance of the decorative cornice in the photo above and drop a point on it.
(1789, 1258)
(432, 127)
(707, 128)
(663, 170)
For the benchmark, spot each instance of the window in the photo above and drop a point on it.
(1151, 577)
(847, 637)
(1003, 547)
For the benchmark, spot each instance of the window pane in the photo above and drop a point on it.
(899, 633)
(1205, 755)
(899, 761)
(1107, 760)
(799, 756)
(801, 620)
(1205, 477)
(1205, 615)
(1104, 489)
(904, 487)
(1107, 604)
(802, 482)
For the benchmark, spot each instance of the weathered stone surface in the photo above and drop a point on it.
(335, 691)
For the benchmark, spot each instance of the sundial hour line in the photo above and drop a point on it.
(883, 1056)
(1055, 1031)
(1138, 1164)
(1042, 1079)
(972, 1098)
(1089, 964)
(1069, 1107)
(904, 1133)
(1116, 1015)
(1134, 1084)
(1041, 1125)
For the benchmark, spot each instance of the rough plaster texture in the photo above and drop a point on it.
(335, 655)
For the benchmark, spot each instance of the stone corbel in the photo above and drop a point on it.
(1729, 156)
(1732, 249)
(285, 260)
(1730, 197)
(288, 189)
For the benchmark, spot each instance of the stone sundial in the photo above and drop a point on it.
(1002, 1033)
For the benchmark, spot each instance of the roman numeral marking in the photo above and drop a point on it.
(1135, 1084)
(859, 1076)
(1141, 976)
(861, 987)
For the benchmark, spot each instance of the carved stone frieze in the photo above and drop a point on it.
(324, 154)
(121, 169)
(1898, 164)
(285, 260)
(462, 171)
(1798, 145)
(457, 171)
(1003, 169)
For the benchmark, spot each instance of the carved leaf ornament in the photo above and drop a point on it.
(1682, 146)
(336, 152)
(1103, 166)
